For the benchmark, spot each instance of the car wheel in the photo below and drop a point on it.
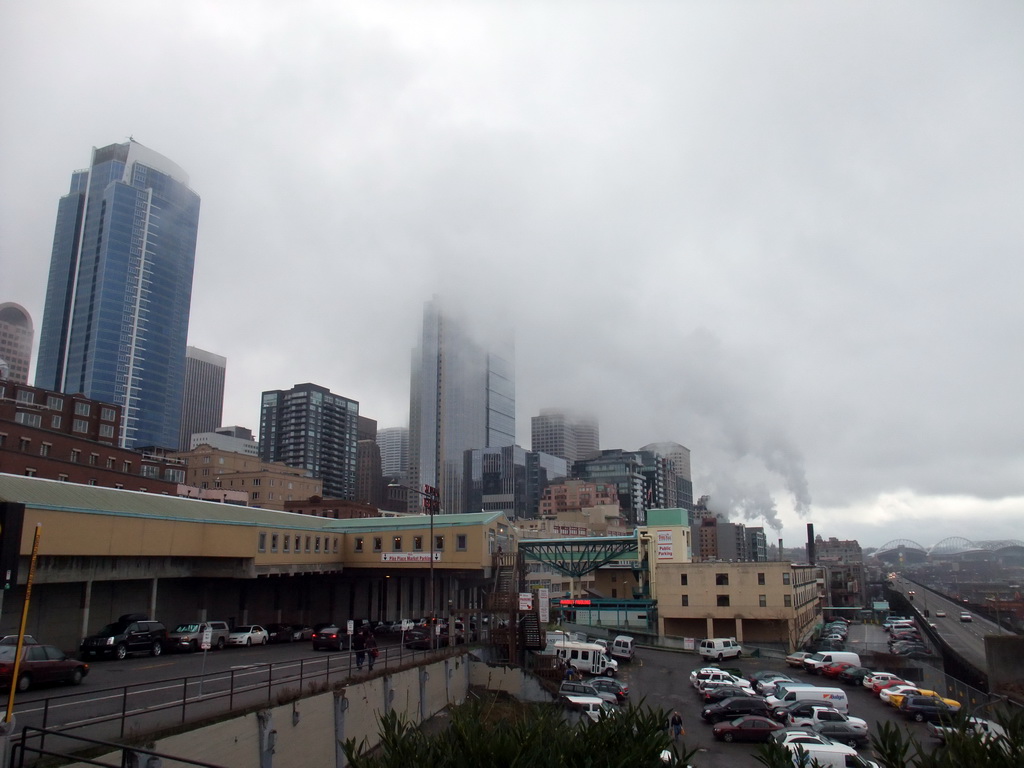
(919, 717)
(264, 641)
(719, 657)
(220, 643)
(157, 648)
(76, 677)
(727, 737)
(24, 682)
(193, 646)
(121, 652)
(248, 641)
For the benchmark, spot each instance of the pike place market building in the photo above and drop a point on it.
(106, 552)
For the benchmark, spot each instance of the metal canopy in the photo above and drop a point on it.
(577, 557)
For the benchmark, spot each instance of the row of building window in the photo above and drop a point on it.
(359, 543)
(313, 544)
(722, 579)
(54, 403)
(722, 601)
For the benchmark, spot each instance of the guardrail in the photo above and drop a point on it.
(141, 709)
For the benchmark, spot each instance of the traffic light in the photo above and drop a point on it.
(12, 518)
(430, 499)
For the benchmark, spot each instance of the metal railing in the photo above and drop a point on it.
(129, 757)
(140, 709)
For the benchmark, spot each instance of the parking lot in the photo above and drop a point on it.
(661, 679)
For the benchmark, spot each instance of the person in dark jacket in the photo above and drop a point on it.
(359, 646)
(371, 648)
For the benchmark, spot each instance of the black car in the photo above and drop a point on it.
(279, 633)
(132, 633)
(332, 637)
(843, 732)
(723, 692)
(922, 708)
(854, 675)
(737, 706)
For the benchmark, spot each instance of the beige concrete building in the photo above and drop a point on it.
(268, 484)
(773, 603)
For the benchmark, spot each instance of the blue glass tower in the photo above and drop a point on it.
(115, 323)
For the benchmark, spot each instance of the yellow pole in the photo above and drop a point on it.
(24, 620)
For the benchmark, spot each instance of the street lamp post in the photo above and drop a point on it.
(431, 504)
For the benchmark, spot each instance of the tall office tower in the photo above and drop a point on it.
(115, 322)
(369, 485)
(203, 398)
(569, 435)
(15, 342)
(639, 477)
(678, 481)
(462, 398)
(510, 479)
(394, 452)
(309, 428)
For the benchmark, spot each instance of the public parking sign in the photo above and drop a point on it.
(207, 639)
(351, 627)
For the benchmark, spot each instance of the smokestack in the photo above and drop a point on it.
(781, 558)
(810, 543)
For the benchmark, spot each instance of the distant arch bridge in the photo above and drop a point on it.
(910, 550)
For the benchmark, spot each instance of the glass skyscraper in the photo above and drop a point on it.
(463, 397)
(115, 322)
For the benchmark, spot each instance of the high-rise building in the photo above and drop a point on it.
(394, 452)
(510, 479)
(369, 482)
(639, 477)
(310, 428)
(462, 398)
(115, 322)
(203, 398)
(678, 481)
(567, 434)
(15, 343)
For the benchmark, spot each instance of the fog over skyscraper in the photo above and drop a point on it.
(115, 322)
(462, 398)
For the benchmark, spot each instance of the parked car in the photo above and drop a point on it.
(301, 632)
(730, 709)
(248, 634)
(843, 733)
(13, 640)
(279, 633)
(570, 688)
(817, 714)
(40, 664)
(746, 728)
(896, 698)
(796, 659)
(985, 728)
(189, 637)
(799, 736)
(610, 685)
(718, 693)
(922, 708)
(833, 670)
(854, 675)
(131, 633)
(330, 637)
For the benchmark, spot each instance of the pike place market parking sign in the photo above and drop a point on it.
(408, 557)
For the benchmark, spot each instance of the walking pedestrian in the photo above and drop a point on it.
(676, 722)
(371, 649)
(359, 646)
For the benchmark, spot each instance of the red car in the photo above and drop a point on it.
(40, 664)
(878, 687)
(833, 670)
(747, 728)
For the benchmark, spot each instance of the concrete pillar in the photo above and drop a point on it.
(152, 598)
(340, 708)
(86, 605)
(710, 629)
(739, 630)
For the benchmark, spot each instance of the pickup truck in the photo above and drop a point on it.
(986, 728)
(817, 715)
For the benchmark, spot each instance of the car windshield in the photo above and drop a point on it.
(187, 628)
(118, 628)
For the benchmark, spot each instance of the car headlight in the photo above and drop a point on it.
(110, 641)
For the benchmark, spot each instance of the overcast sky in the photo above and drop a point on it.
(786, 235)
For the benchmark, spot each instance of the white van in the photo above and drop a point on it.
(590, 706)
(720, 648)
(622, 648)
(828, 756)
(818, 661)
(587, 657)
(833, 697)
